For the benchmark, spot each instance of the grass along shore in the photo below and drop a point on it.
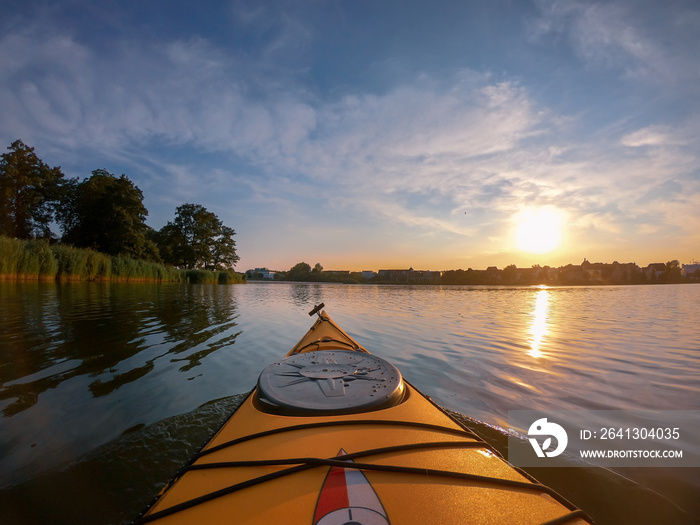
(36, 260)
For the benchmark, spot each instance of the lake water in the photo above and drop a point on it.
(106, 389)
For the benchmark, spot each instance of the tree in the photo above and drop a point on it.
(29, 192)
(224, 249)
(672, 274)
(299, 272)
(510, 274)
(196, 238)
(106, 213)
(318, 269)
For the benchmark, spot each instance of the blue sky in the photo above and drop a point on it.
(377, 134)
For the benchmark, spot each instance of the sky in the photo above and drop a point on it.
(378, 134)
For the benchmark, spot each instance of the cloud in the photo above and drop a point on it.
(648, 42)
(649, 136)
(455, 155)
(192, 93)
(182, 92)
(417, 137)
(420, 155)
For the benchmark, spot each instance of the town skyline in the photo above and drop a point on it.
(406, 267)
(585, 273)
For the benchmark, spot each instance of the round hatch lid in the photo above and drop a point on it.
(329, 382)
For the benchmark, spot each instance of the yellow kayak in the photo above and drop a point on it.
(333, 435)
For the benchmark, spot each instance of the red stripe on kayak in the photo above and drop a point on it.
(334, 493)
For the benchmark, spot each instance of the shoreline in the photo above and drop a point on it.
(77, 278)
(39, 261)
(504, 285)
(188, 277)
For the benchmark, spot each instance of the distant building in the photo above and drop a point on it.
(424, 276)
(624, 273)
(262, 273)
(394, 276)
(544, 274)
(691, 271)
(410, 276)
(368, 274)
(654, 271)
(595, 273)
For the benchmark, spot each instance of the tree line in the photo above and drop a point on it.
(303, 272)
(584, 274)
(105, 212)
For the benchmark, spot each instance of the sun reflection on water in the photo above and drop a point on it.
(539, 323)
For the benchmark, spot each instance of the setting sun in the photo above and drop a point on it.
(538, 230)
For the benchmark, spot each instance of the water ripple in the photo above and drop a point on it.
(81, 363)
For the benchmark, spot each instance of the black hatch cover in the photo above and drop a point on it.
(329, 382)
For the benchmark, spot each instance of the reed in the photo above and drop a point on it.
(98, 266)
(231, 277)
(27, 259)
(213, 277)
(76, 264)
(10, 255)
(36, 259)
(125, 269)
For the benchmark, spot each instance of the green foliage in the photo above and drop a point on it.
(106, 213)
(673, 272)
(27, 258)
(210, 277)
(299, 272)
(231, 277)
(124, 268)
(98, 265)
(71, 262)
(10, 255)
(76, 263)
(303, 272)
(29, 193)
(357, 278)
(224, 248)
(202, 277)
(197, 239)
(101, 216)
(36, 259)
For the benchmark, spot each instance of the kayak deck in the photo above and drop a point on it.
(407, 463)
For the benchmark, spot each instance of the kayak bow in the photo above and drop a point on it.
(334, 435)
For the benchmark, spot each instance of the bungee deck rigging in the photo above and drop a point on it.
(421, 465)
(342, 461)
